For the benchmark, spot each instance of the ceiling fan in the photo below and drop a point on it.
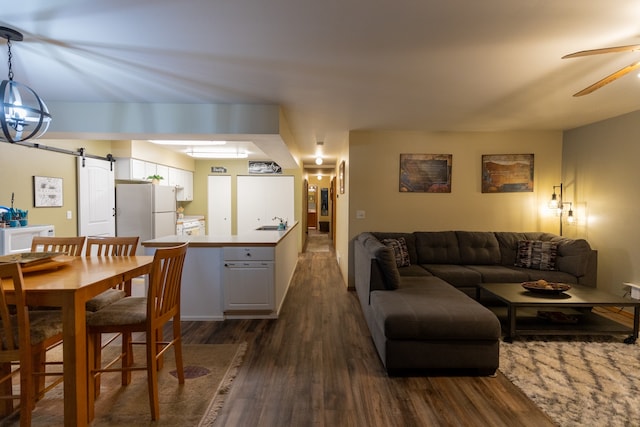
(611, 77)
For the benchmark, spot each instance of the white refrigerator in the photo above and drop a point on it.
(145, 210)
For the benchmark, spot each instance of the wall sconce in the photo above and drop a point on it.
(556, 203)
(24, 115)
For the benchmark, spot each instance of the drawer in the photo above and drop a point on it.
(236, 253)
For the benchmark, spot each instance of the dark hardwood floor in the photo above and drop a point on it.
(317, 366)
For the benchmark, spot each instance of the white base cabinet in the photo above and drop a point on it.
(200, 296)
(248, 280)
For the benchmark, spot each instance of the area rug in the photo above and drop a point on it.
(577, 381)
(209, 372)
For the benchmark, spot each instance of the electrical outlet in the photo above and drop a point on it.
(360, 214)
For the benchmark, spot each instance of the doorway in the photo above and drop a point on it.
(312, 207)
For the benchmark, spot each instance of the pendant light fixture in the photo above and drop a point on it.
(24, 115)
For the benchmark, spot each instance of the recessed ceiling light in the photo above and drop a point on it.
(318, 160)
(217, 155)
(186, 142)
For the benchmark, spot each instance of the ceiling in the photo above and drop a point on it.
(336, 66)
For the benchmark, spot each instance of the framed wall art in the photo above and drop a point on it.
(47, 192)
(341, 177)
(425, 173)
(507, 173)
(264, 167)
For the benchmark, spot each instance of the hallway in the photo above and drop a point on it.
(316, 366)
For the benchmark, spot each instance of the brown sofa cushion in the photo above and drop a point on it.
(436, 311)
(437, 247)
(478, 247)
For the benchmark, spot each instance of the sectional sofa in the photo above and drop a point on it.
(418, 291)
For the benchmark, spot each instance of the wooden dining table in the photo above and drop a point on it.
(69, 286)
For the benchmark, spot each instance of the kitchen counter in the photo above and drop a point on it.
(213, 288)
(187, 218)
(249, 238)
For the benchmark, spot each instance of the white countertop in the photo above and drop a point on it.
(186, 218)
(249, 238)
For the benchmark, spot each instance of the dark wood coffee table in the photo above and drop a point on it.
(515, 297)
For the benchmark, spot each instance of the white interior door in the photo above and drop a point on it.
(96, 197)
(219, 204)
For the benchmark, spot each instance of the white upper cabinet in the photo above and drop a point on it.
(163, 171)
(138, 170)
(183, 181)
(133, 169)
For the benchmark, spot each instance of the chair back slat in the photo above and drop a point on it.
(112, 246)
(11, 279)
(165, 280)
(72, 246)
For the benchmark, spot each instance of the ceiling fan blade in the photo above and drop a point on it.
(611, 77)
(589, 52)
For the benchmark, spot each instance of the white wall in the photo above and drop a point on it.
(601, 173)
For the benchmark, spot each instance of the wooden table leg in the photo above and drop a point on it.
(6, 407)
(74, 362)
(636, 322)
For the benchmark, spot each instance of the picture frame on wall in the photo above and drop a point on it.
(47, 192)
(264, 167)
(341, 177)
(425, 173)
(507, 173)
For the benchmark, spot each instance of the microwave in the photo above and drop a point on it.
(15, 240)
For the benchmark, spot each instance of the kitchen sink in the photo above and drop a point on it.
(268, 227)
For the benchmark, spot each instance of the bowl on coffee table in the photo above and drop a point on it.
(544, 287)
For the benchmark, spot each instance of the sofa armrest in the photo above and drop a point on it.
(368, 273)
(590, 277)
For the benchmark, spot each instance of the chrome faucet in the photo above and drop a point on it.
(283, 223)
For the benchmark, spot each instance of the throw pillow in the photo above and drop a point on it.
(400, 250)
(537, 254)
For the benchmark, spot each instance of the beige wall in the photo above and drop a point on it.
(147, 151)
(18, 165)
(342, 216)
(373, 173)
(601, 175)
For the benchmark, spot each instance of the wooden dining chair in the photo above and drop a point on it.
(142, 314)
(26, 337)
(72, 246)
(110, 246)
